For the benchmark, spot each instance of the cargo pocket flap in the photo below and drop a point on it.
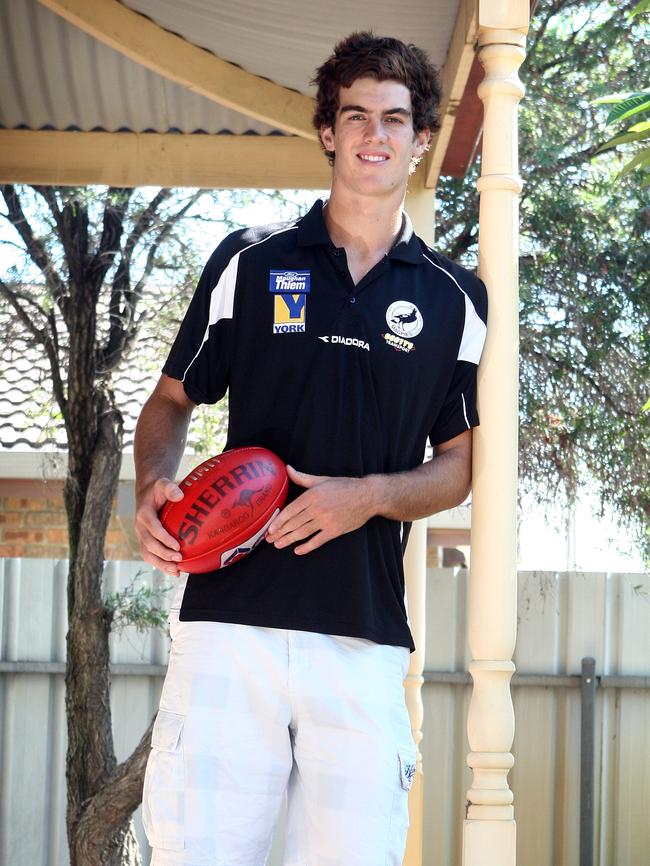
(407, 768)
(167, 730)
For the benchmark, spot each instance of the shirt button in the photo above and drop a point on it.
(353, 300)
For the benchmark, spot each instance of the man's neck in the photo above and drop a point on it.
(365, 227)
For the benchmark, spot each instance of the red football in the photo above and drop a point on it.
(229, 502)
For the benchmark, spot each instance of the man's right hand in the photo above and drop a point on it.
(157, 546)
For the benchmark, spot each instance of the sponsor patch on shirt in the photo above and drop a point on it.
(398, 343)
(290, 302)
(289, 313)
(404, 319)
(290, 282)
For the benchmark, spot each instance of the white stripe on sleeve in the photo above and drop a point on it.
(471, 344)
(222, 297)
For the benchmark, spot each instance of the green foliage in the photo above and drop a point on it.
(626, 106)
(584, 265)
(138, 605)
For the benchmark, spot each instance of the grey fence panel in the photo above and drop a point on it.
(562, 618)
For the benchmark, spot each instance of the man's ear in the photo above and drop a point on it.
(421, 142)
(327, 137)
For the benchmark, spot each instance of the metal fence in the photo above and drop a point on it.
(563, 617)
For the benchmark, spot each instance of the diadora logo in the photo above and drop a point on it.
(289, 281)
(404, 319)
(289, 314)
(346, 341)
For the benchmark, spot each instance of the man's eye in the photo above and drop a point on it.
(394, 119)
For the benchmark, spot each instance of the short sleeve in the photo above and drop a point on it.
(201, 354)
(459, 409)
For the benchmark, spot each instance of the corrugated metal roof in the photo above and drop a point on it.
(56, 76)
(287, 39)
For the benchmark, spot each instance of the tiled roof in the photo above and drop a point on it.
(29, 417)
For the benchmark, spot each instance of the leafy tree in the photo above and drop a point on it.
(626, 106)
(635, 106)
(82, 291)
(584, 265)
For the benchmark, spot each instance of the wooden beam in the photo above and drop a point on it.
(466, 134)
(173, 57)
(455, 74)
(150, 159)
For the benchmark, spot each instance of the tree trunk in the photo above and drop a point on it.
(90, 764)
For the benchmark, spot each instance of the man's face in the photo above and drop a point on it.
(373, 137)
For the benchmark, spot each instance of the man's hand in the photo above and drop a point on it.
(333, 506)
(157, 546)
(328, 508)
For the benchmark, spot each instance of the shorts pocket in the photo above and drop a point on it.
(163, 797)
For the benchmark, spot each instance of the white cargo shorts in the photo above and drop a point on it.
(249, 715)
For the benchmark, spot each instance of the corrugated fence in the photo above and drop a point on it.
(562, 618)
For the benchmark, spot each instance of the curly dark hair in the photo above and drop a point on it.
(364, 55)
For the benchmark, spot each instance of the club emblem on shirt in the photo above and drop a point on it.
(404, 319)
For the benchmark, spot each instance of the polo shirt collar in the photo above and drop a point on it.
(312, 231)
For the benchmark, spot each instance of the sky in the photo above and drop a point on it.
(587, 542)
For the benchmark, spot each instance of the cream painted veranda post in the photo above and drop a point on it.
(420, 204)
(489, 831)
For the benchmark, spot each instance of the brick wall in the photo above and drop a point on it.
(33, 523)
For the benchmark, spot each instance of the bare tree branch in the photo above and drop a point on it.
(124, 300)
(151, 256)
(12, 298)
(466, 239)
(145, 220)
(35, 247)
(49, 341)
(115, 206)
(48, 193)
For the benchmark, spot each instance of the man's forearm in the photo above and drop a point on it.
(436, 485)
(159, 439)
(332, 506)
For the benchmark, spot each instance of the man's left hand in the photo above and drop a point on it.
(329, 507)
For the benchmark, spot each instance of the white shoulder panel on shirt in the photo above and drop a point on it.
(474, 331)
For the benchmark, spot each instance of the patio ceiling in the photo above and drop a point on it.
(202, 92)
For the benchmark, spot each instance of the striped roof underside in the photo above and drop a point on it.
(55, 76)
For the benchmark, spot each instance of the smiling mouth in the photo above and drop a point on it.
(373, 157)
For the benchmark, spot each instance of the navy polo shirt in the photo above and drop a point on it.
(336, 379)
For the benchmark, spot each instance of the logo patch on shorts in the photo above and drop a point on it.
(404, 319)
(407, 772)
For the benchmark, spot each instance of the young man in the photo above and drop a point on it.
(345, 343)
